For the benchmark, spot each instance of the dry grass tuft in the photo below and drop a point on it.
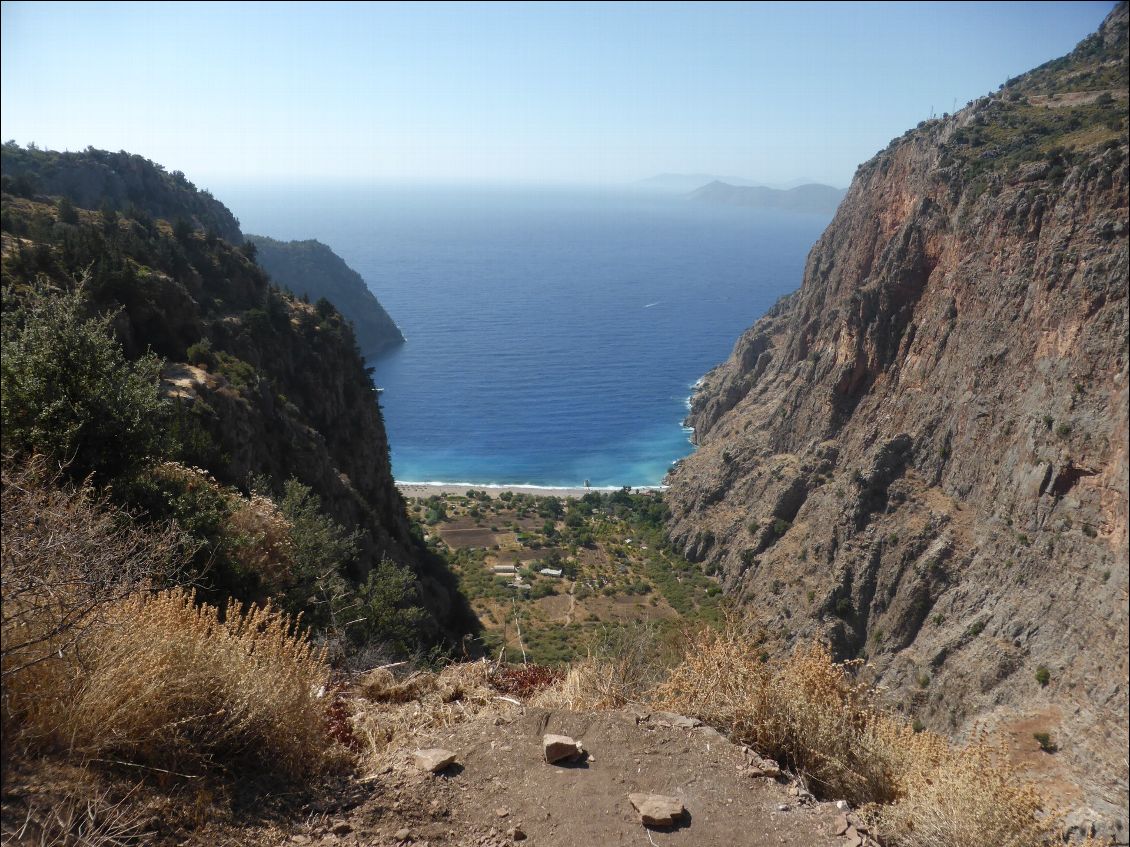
(172, 684)
(809, 713)
(260, 538)
(590, 684)
(67, 555)
(624, 666)
(79, 819)
(391, 713)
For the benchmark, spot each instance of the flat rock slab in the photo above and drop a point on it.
(657, 809)
(433, 759)
(560, 748)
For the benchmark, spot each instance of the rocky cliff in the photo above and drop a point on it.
(921, 455)
(311, 269)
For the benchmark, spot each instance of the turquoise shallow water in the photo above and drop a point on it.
(553, 335)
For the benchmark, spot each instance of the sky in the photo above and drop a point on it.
(511, 93)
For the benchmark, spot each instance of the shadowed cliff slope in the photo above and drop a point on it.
(921, 455)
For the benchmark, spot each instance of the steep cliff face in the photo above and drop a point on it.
(313, 270)
(921, 455)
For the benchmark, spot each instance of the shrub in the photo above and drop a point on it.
(259, 537)
(173, 684)
(1043, 676)
(810, 713)
(67, 554)
(1044, 739)
(68, 392)
(201, 354)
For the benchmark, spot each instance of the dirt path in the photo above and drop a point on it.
(500, 792)
(572, 603)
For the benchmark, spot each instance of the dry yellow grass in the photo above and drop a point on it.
(166, 682)
(389, 714)
(808, 712)
(260, 538)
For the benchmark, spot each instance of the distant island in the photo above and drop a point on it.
(312, 269)
(813, 197)
(682, 183)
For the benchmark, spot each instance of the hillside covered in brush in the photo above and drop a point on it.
(921, 454)
(257, 394)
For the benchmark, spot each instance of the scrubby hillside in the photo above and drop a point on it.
(99, 179)
(312, 270)
(921, 455)
(260, 388)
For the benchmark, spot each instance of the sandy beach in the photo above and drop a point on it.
(428, 489)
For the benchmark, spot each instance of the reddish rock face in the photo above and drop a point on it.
(921, 455)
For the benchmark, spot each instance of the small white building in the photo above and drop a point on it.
(557, 572)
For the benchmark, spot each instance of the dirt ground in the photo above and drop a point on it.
(501, 791)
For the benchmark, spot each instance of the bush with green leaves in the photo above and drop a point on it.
(69, 392)
(379, 610)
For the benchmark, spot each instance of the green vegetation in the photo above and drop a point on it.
(1043, 676)
(1044, 739)
(68, 391)
(100, 306)
(611, 549)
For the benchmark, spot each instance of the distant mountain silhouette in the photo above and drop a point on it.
(813, 197)
(683, 183)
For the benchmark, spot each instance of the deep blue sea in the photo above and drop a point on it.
(554, 335)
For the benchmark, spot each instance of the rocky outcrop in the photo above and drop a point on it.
(921, 455)
(312, 270)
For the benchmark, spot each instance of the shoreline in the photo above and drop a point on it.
(429, 489)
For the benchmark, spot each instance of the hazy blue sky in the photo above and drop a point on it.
(513, 92)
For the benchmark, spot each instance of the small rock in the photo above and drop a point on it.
(840, 825)
(657, 809)
(404, 834)
(434, 759)
(517, 834)
(559, 748)
(342, 828)
(502, 812)
(300, 839)
(784, 807)
(672, 719)
(767, 767)
(843, 805)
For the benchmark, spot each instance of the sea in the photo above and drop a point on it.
(554, 335)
